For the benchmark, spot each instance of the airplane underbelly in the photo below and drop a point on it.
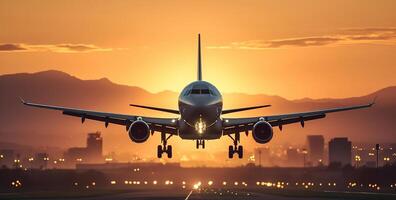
(211, 133)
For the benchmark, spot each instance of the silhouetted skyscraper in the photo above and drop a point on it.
(315, 145)
(340, 151)
(94, 146)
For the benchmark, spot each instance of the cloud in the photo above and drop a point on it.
(11, 47)
(346, 36)
(58, 48)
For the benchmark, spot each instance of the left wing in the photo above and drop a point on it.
(167, 125)
(233, 125)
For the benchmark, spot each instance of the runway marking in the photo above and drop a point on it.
(189, 194)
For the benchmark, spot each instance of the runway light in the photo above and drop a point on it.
(113, 182)
(210, 182)
(155, 182)
(224, 183)
(197, 185)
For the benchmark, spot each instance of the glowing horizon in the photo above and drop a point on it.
(291, 49)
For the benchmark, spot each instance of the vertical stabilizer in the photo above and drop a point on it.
(199, 59)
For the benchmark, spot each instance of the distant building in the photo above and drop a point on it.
(294, 158)
(7, 158)
(315, 146)
(340, 151)
(90, 154)
(94, 146)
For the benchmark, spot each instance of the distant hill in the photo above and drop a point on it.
(25, 125)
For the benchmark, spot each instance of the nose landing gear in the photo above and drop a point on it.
(164, 148)
(201, 143)
(235, 148)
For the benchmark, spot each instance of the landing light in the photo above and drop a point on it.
(200, 126)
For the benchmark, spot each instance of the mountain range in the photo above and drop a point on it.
(31, 126)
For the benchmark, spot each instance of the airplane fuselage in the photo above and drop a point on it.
(200, 106)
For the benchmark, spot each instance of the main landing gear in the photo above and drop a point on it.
(235, 148)
(164, 148)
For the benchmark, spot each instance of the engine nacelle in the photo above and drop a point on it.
(262, 132)
(139, 131)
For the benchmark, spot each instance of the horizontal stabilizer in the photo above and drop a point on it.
(156, 108)
(243, 109)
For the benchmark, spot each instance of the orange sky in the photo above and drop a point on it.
(290, 48)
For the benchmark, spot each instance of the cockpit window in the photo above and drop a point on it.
(199, 91)
(205, 91)
(195, 91)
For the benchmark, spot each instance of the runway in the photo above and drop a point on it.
(207, 194)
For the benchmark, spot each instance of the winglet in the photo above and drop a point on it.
(22, 101)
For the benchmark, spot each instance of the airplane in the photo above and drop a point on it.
(200, 118)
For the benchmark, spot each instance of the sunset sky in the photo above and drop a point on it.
(294, 49)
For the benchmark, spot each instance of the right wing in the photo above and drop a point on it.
(243, 109)
(233, 125)
(167, 125)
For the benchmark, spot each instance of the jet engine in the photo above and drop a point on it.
(139, 131)
(262, 132)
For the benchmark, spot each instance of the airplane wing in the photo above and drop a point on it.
(156, 108)
(167, 125)
(233, 125)
(243, 109)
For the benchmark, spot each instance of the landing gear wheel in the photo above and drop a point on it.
(201, 142)
(235, 148)
(164, 148)
(169, 151)
(230, 151)
(159, 151)
(240, 151)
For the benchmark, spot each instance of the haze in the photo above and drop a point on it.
(294, 49)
